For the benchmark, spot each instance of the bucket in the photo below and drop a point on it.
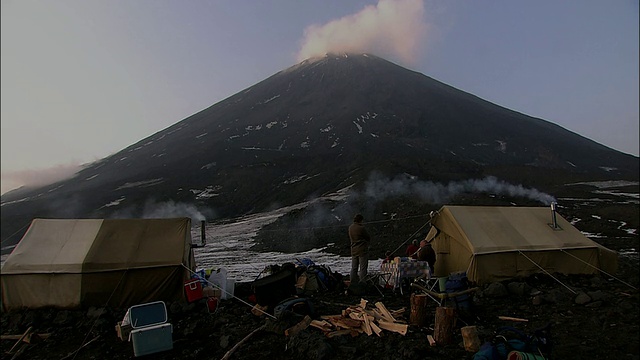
(442, 282)
(212, 304)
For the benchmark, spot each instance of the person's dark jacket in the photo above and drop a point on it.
(359, 239)
(427, 254)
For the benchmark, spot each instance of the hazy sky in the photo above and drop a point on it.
(83, 79)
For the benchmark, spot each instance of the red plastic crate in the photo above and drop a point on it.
(193, 289)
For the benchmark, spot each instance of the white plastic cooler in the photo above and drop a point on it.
(151, 333)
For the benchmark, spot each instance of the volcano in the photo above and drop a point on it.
(317, 127)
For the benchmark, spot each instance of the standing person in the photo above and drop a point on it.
(412, 249)
(360, 240)
(427, 254)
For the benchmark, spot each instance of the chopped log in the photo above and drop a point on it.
(259, 310)
(346, 323)
(298, 327)
(431, 340)
(363, 303)
(375, 313)
(366, 326)
(322, 325)
(470, 338)
(236, 346)
(376, 329)
(385, 313)
(419, 311)
(509, 318)
(395, 327)
(444, 324)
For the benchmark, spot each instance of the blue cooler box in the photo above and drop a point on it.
(151, 333)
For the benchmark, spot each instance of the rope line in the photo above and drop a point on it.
(602, 271)
(342, 226)
(10, 236)
(97, 318)
(546, 272)
(411, 237)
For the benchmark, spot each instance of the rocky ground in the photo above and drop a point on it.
(599, 321)
(594, 317)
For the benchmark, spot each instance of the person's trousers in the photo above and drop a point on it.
(359, 265)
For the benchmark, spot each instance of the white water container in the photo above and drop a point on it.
(218, 278)
(229, 289)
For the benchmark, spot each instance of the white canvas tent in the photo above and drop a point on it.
(69, 263)
(498, 243)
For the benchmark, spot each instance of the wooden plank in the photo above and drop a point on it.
(16, 337)
(385, 313)
(322, 325)
(366, 326)
(509, 318)
(348, 323)
(376, 329)
(395, 327)
(375, 313)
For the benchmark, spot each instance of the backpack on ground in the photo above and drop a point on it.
(295, 305)
(508, 339)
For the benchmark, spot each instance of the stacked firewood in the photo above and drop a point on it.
(358, 319)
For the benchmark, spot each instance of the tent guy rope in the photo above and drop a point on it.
(546, 272)
(602, 271)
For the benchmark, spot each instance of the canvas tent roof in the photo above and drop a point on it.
(76, 262)
(495, 243)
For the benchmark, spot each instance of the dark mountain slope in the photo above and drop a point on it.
(316, 127)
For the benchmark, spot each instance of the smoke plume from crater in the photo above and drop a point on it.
(393, 29)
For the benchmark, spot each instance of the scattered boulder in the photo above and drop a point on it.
(594, 304)
(519, 288)
(495, 290)
(598, 295)
(582, 298)
(61, 318)
(537, 300)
